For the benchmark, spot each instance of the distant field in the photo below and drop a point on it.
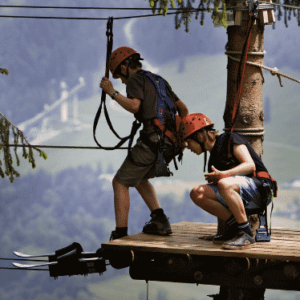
(125, 288)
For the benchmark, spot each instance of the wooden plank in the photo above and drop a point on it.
(263, 16)
(271, 15)
(238, 15)
(284, 245)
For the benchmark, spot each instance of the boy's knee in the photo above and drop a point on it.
(116, 183)
(223, 184)
(196, 193)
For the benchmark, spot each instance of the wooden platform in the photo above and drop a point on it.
(284, 245)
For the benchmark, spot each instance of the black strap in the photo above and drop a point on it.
(135, 125)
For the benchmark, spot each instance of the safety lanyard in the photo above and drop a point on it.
(136, 125)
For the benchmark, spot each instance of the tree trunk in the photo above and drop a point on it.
(250, 115)
(249, 118)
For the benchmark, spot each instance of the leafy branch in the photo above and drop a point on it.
(4, 71)
(217, 8)
(6, 129)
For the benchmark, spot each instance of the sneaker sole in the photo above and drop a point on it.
(229, 247)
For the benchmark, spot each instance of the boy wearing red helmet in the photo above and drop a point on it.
(141, 100)
(232, 187)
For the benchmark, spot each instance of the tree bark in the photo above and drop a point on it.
(250, 115)
(249, 118)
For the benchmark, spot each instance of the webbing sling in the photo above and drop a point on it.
(136, 124)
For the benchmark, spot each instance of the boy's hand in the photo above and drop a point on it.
(107, 86)
(215, 176)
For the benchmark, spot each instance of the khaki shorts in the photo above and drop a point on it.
(130, 174)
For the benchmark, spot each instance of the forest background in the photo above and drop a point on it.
(69, 197)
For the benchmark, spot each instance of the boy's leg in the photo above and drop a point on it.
(122, 203)
(229, 189)
(130, 175)
(159, 223)
(230, 192)
(148, 193)
(205, 197)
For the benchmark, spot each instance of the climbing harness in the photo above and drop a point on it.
(164, 105)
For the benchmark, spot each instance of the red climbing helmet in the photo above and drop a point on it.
(192, 123)
(118, 56)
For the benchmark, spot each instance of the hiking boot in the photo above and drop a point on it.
(114, 236)
(158, 225)
(226, 236)
(241, 241)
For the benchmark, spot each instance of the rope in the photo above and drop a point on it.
(248, 131)
(249, 53)
(274, 71)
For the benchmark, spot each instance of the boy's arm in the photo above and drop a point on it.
(131, 105)
(182, 108)
(245, 167)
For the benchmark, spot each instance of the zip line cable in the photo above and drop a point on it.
(124, 8)
(84, 8)
(178, 10)
(60, 147)
(22, 259)
(83, 18)
(19, 269)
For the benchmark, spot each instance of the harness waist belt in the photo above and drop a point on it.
(266, 175)
(263, 174)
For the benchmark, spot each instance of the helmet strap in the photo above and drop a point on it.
(202, 146)
(205, 154)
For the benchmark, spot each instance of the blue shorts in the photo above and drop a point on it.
(248, 192)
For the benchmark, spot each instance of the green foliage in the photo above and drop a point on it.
(163, 5)
(4, 71)
(217, 8)
(185, 11)
(6, 129)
